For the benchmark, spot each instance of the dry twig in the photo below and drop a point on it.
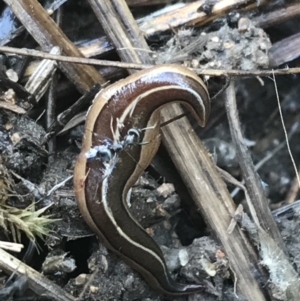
(36, 281)
(210, 72)
(46, 32)
(272, 248)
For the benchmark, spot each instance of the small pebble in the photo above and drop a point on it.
(166, 189)
(243, 25)
(80, 280)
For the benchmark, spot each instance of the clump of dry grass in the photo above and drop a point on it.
(32, 223)
(15, 220)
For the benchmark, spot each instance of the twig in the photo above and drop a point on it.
(210, 72)
(12, 107)
(280, 15)
(40, 80)
(272, 248)
(64, 117)
(250, 176)
(50, 115)
(190, 14)
(48, 34)
(57, 186)
(11, 246)
(36, 281)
